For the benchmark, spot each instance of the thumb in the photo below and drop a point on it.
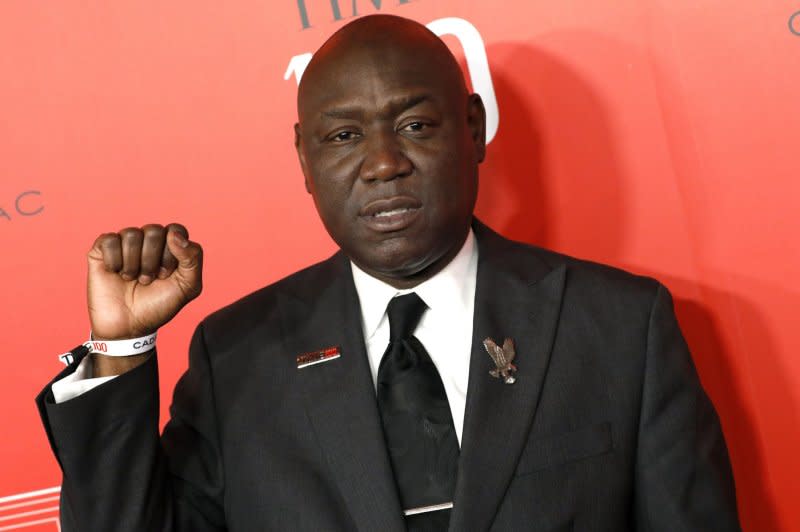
(190, 260)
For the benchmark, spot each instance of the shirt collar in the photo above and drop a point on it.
(444, 291)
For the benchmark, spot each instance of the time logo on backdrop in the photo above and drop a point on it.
(336, 10)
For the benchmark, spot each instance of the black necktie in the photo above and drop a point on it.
(417, 422)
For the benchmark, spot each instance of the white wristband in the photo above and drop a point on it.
(122, 348)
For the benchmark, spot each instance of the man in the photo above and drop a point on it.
(277, 425)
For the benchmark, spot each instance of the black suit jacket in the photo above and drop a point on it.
(607, 427)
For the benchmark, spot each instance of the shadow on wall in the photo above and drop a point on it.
(712, 340)
(527, 196)
(523, 191)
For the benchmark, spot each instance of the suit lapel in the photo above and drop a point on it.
(517, 296)
(339, 394)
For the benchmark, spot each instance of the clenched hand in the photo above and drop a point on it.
(140, 278)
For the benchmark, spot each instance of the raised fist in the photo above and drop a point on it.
(139, 278)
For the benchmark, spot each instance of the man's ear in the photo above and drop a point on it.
(476, 120)
(298, 146)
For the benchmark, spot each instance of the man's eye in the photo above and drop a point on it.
(343, 136)
(415, 126)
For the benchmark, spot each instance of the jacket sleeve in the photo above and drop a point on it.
(118, 475)
(683, 474)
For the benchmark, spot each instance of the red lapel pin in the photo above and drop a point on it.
(318, 357)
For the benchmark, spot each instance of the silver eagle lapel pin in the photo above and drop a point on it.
(503, 358)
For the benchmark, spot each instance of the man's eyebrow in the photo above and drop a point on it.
(342, 112)
(394, 107)
(404, 104)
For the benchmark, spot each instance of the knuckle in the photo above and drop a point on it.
(131, 234)
(106, 239)
(178, 228)
(153, 231)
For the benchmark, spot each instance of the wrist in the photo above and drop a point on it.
(107, 366)
(121, 347)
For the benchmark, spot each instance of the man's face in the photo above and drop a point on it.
(390, 148)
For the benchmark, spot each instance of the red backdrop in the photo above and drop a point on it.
(656, 135)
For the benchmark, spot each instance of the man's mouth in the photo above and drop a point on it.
(390, 206)
(390, 214)
(384, 214)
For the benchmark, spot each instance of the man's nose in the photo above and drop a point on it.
(385, 158)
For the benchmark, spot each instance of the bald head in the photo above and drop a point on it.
(380, 42)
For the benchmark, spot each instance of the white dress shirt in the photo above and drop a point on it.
(78, 382)
(445, 328)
